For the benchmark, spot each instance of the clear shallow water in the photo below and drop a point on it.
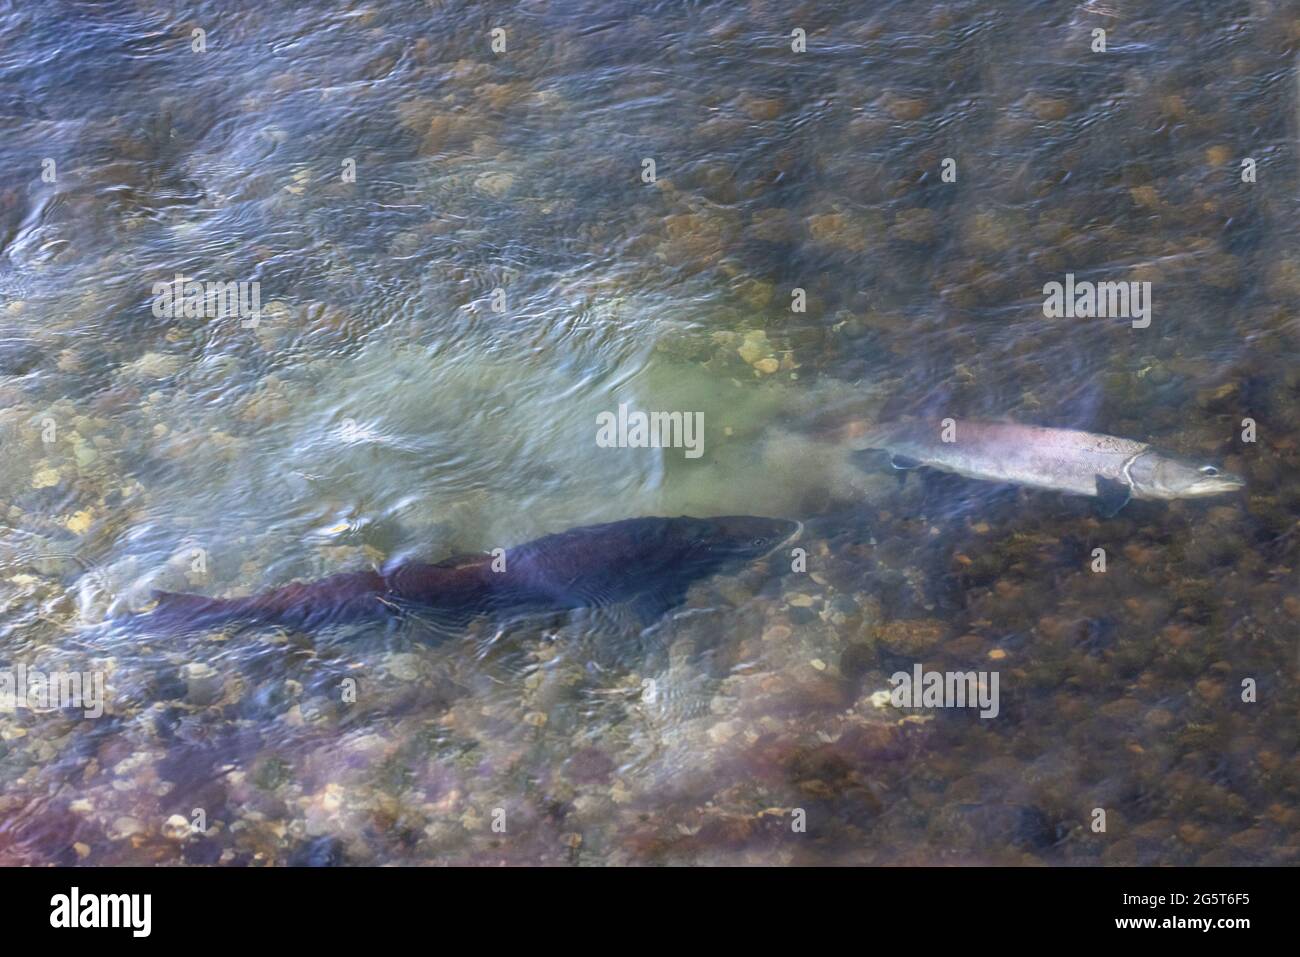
(383, 409)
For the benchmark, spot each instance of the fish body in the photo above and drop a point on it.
(648, 562)
(1065, 460)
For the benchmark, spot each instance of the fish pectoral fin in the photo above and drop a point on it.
(903, 462)
(1112, 495)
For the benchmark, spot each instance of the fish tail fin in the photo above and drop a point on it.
(179, 612)
(847, 416)
(861, 435)
(841, 427)
(176, 602)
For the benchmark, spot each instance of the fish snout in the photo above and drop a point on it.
(1214, 481)
(1159, 476)
(752, 537)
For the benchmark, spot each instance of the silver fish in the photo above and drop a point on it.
(1064, 460)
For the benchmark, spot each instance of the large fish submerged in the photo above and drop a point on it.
(646, 563)
(1064, 460)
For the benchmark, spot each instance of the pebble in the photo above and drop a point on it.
(761, 108)
(85, 454)
(203, 683)
(80, 522)
(495, 184)
(755, 348)
(1049, 108)
(154, 365)
(176, 828)
(126, 827)
(906, 107)
(404, 667)
(723, 731)
(912, 636)
(777, 633)
(1218, 155)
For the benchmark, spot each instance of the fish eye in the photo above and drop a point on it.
(1209, 470)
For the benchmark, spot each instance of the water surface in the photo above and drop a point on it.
(384, 407)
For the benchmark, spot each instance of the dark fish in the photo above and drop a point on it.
(648, 563)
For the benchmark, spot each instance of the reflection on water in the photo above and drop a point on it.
(463, 259)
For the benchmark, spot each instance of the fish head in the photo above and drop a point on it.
(1155, 475)
(746, 537)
